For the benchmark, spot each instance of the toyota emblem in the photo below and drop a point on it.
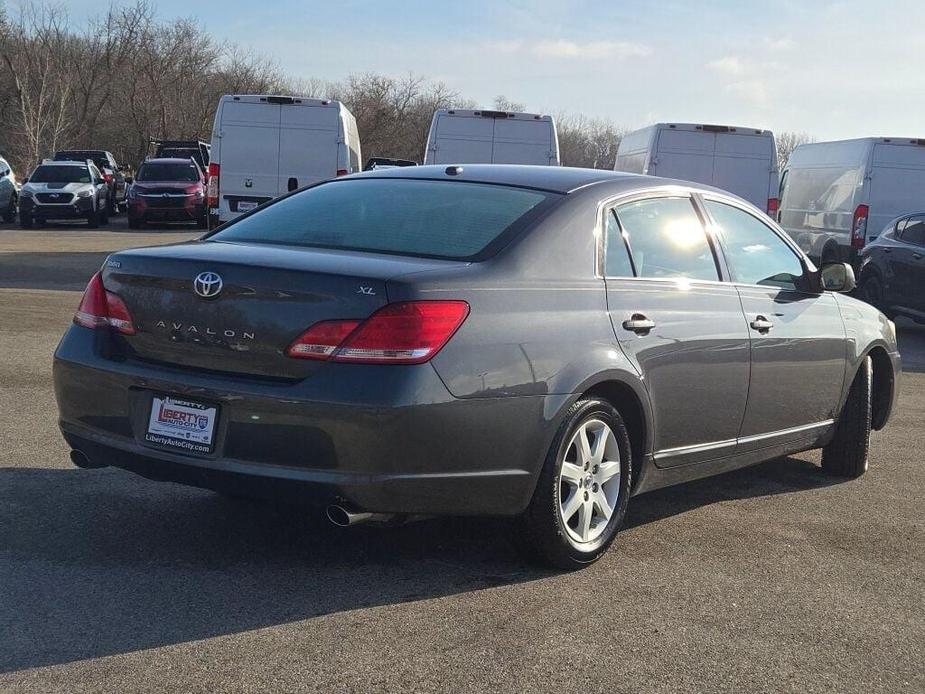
(208, 285)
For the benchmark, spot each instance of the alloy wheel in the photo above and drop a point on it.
(589, 481)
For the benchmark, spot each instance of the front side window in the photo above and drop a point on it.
(666, 239)
(754, 253)
(434, 219)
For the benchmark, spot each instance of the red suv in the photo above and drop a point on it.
(167, 190)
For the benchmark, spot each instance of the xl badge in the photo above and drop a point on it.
(369, 291)
(208, 285)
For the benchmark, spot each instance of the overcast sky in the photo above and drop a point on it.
(831, 69)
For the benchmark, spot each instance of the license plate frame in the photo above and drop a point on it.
(247, 205)
(184, 425)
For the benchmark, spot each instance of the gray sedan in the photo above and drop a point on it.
(538, 343)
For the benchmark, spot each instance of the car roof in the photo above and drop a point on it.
(63, 163)
(168, 160)
(558, 179)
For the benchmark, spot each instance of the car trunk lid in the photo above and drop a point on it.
(250, 302)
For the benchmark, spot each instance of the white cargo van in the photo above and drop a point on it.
(491, 137)
(837, 196)
(264, 146)
(740, 160)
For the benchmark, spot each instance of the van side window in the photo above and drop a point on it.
(617, 256)
(666, 239)
(913, 230)
(754, 252)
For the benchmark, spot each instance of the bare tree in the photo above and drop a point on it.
(788, 141)
(588, 142)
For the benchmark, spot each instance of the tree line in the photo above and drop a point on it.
(128, 76)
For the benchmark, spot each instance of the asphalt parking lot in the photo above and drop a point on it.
(774, 578)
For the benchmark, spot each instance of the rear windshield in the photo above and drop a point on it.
(167, 172)
(436, 219)
(60, 174)
(98, 158)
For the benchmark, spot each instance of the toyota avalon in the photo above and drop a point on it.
(536, 343)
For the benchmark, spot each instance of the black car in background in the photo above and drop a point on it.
(183, 149)
(111, 170)
(892, 271)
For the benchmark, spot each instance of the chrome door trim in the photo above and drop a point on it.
(717, 445)
(787, 432)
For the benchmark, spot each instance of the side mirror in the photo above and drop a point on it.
(129, 180)
(837, 277)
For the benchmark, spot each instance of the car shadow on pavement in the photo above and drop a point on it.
(96, 563)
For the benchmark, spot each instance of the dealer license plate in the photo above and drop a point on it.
(181, 424)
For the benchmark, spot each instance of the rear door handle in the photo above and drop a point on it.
(638, 324)
(761, 324)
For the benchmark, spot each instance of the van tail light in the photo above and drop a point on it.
(101, 309)
(212, 187)
(107, 177)
(859, 226)
(342, 172)
(408, 332)
(772, 208)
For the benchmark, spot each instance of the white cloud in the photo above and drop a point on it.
(561, 48)
(571, 50)
(728, 65)
(754, 91)
(785, 43)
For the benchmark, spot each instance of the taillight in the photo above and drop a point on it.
(342, 172)
(101, 309)
(859, 226)
(772, 208)
(107, 177)
(320, 340)
(212, 188)
(409, 332)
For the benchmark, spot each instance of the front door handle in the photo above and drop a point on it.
(917, 256)
(638, 324)
(761, 324)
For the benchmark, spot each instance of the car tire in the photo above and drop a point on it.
(104, 216)
(93, 219)
(202, 223)
(25, 221)
(846, 455)
(872, 292)
(134, 223)
(558, 528)
(9, 215)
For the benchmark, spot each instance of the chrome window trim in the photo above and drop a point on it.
(665, 191)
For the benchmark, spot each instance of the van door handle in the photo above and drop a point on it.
(638, 324)
(761, 324)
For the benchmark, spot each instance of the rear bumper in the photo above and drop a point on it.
(380, 438)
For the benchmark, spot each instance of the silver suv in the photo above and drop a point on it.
(64, 190)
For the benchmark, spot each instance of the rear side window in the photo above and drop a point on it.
(754, 253)
(913, 230)
(618, 259)
(666, 239)
(435, 219)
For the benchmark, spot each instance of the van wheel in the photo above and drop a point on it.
(846, 455)
(583, 489)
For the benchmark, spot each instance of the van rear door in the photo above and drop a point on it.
(308, 140)
(249, 154)
(897, 184)
(743, 165)
(521, 141)
(463, 140)
(684, 154)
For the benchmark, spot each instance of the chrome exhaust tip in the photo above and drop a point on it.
(344, 518)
